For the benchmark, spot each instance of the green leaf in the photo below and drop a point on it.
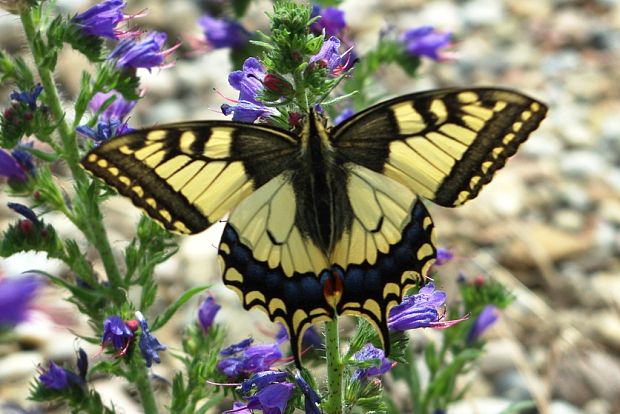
(168, 313)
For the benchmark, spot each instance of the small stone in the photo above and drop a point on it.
(583, 163)
(562, 407)
(19, 365)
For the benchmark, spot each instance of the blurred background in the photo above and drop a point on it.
(547, 226)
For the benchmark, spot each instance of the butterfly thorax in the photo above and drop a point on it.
(323, 210)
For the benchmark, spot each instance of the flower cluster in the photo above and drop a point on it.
(426, 41)
(222, 33)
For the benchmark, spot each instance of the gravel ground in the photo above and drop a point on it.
(547, 226)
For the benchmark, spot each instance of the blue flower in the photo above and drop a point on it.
(484, 321)
(144, 53)
(55, 378)
(11, 168)
(149, 345)
(101, 19)
(311, 398)
(344, 115)
(330, 58)
(222, 33)
(117, 333)
(331, 20)
(425, 41)
(29, 98)
(207, 312)
(16, 296)
(377, 356)
(249, 359)
(249, 82)
(420, 311)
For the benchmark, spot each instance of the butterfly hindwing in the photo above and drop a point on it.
(445, 145)
(188, 175)
(271, 265)
(388, 249)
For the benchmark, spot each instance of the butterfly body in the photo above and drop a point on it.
(327, 221)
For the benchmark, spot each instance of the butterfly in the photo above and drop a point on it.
(327, 221)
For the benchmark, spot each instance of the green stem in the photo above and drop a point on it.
(95, 232)
(143, 384)
(334, 402)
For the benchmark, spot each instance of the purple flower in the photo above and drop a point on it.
(249, 82)
(377, 356)
(24, 158)
(221, 33)
(144, 53)
(244, 111)
(443, 256)
(311, 398)
(117, 333)
(207, 312)
(58, 378)
(11, 168)
(249, 360)
(118, 109)
(344, 115)
(149, 345)
(261, 380)
(29, 98)
(484, 321)
(272, 399)
(330, 58)
(425, 41)
(104, 130)
(55, 378)
(25, 212)
(420, 311)
(331, 20)
(236, 348)
(16, 296)
(111, 122)
(101, 19)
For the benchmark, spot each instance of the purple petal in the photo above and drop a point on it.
(10, 168)
(102, 19)
(16, 295)
(207, 312)
(222, 33)
(484, 321)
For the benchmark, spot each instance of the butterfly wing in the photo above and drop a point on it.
(445, 145)
(188, 175)
(388, 248)
(272, 264)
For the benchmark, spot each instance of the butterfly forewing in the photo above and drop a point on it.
(188, 175)
(445, 145)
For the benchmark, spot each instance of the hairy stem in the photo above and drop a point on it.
(94, 231)
(334, 401)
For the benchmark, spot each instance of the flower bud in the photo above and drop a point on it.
(277, 84)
